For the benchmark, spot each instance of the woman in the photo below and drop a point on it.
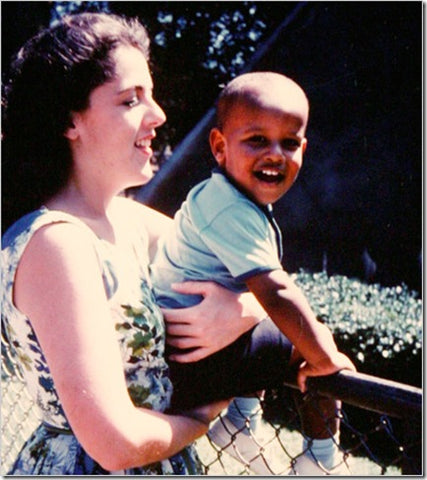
(78, 308)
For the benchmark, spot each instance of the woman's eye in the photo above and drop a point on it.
(132, 102)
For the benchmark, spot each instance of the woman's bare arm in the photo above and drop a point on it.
(68, 309)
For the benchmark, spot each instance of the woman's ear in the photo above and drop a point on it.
(217, 142)
(71, 131)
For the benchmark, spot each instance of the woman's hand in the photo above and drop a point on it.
(217, 321)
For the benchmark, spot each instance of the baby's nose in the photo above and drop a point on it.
(276, 151)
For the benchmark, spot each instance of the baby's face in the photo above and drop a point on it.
(261, 146)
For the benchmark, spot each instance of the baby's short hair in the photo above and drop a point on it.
(243, 89)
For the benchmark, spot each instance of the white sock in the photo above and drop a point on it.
(243, 409)
(324, 450)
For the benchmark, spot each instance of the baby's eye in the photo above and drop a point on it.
(290, 144)
(257, 139)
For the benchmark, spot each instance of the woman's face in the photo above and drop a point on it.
(111, 139)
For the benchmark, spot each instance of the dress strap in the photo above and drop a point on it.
(52, 429)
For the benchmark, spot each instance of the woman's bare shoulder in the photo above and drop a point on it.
(152, 218)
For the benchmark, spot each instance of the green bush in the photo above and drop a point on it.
(379, 328)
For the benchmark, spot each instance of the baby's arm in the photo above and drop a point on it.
(290, 310)
(217, 321)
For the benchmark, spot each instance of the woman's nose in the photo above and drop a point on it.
(157, 115)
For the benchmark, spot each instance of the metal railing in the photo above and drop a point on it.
(381, 430)
(386, 440)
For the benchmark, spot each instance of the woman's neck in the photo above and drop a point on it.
(89, 206)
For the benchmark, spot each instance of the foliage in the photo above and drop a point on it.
(68, 8)
(227, 35)
(380, 328)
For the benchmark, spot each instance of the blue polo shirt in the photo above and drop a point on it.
(218, 235)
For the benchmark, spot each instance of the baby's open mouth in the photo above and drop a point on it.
(269, 176)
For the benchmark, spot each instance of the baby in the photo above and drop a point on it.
(225, 232)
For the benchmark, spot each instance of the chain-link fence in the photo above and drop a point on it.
(380, 429)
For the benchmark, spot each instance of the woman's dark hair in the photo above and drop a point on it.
(51, 76)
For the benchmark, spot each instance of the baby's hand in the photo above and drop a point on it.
(326, 366)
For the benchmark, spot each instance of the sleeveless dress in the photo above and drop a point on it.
(52, 449)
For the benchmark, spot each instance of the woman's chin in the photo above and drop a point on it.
(146, 173)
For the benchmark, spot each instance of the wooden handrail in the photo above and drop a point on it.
(368, 392)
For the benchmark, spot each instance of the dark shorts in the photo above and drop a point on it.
(259, 359)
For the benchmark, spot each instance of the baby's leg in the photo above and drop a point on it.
(320, 426)
(239, 432)
(256, 360)
(261, 358)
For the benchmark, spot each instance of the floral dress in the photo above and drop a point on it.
(52, 449)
